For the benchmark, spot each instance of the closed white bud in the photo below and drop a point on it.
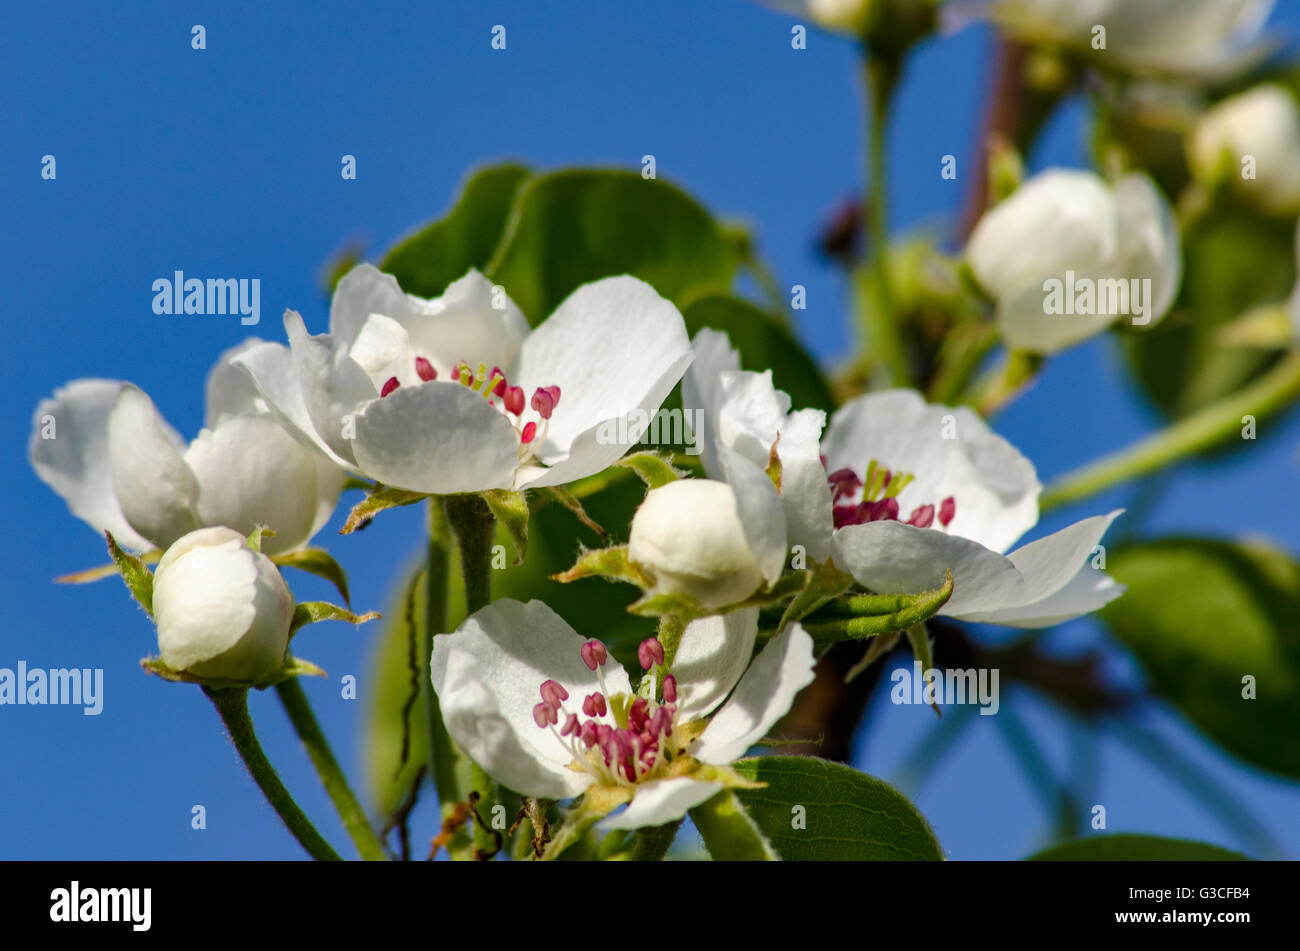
(688, 538)
(1251, 142)
(222, 609)
(1071, 227)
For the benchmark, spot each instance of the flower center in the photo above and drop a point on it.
(493, 386)
(639, 744)
(877, 495)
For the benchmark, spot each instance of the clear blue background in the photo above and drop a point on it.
(226, 163)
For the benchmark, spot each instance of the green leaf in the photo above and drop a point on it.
(578, 225)
(135, 574)
(309, 612)
(1201, 615)
(1233, 263)
(763, 343)
(846, 815)
(319, 562)
(511, 510)
(1125, 847)
(729, 832)
(426, 262)
(386, 498)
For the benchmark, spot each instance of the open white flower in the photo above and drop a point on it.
(1263, 123)
(1206, 39)
(922, 490)
(223, 610)
(746, 422)
(103, 446)
(1066, 255)
(429, 395)
(541, 709)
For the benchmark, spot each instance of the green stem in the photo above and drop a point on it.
(327, 767)
(448, 764)
(1199, 431)
(474, 527)
(653, 842)
(881, 73)
(232, 705)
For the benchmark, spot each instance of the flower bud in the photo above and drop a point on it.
(1067, 254)
(688, 539)
(222, 610)
(849, 16)
(1251, 142)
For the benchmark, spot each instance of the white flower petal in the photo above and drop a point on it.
(251, 472)
(751, 415)
(805, 494)
(334, 387)
(438, 437)
(713, 653)
(363, 291)
(761, 514)
(487, 676)
(1089, 590)
(380, 341)
(702, 389)
(229, 390)
(1151, 243)
(612, 346)
(890, 557)
(271, 368)
(763, 696)
(75, 463)
(660, 801)
(156, 489)
(329, 486)
(995, 487)
(1048, 566)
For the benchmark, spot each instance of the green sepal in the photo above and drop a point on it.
(821, 583)
(319, 562)
(877, 614)
(309, 612)
(256, 535)
(100, 572)
(135, 573)
(511, 510)
(386, 498)
(293, 667)
(655, 470)
(596, 803)
(612, 563)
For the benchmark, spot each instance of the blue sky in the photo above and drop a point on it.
(225, 162)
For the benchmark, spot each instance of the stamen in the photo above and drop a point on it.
(553, 692)
(947, 509)
(544, 400)
(650, 652)
(391, 385)
(530, 430)
(514, 397)
(594, 705)
(670, 689)
(594, 654)
(546, 714)
(922, 517)
(424, 369)
(570, 725)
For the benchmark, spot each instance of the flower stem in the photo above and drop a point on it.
(232, 705)
(327, 767)
(448, 765)
(474, 527)
(1199, 431)
(881, 73)
(653, 842)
